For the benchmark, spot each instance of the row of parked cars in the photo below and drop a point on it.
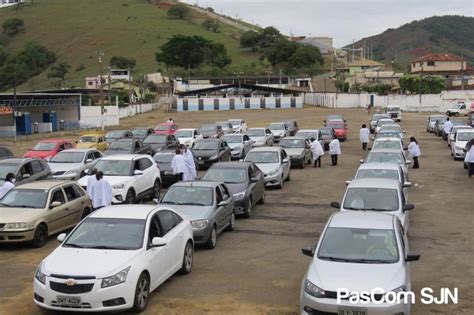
(365, 245)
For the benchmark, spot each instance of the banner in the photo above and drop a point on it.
(6, 110)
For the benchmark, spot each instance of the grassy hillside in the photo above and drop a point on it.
(453, 34)
(76, 29)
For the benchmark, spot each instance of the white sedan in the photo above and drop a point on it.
(188, 136)
(114, 258)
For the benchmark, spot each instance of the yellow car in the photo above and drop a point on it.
(92, 141)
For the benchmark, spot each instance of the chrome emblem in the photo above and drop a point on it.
(70, 282)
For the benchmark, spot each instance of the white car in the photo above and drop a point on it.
(273, 162)
(240, 145)
(453, 132)
(383, 170)
(311, 134)
(459, 109)
(461, 138)
(188, 136)
(261, 136)
(357, 253)
(239, 125)
(394, 112)
(72, 163)
(388, 143)
(388, 156)
(279, 130)
(132, 176)
(431, 121)
(114, 259)
(382, 122)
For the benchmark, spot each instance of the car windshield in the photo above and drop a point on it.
(276, 126)
(377, 199)
(326, 131)
(44, 146)
(163, 158)
(263, 157)
(140, 132)
(388, 134)
(114, 167)
(256, 132)
(376, 117)
(336, 125)
(393, 109)
(68, 157)
(359, 246)
(223, 124)
(385, 122)
(386, 157)
(155, 139)
(395, 145)
(208, 128)
(120, 145)
(465, 136)
(108, 233)
(7, 168)
(377, 173)
(233, 138)
(206, 145)
(87, 139)
(163, 127)
(186, 195)
(235, 122)
(441, 120)
(307, 134)
(292, 143)
(25, 198)
(114, 135)
(457, 106)
(226, 175)
(434, 118)
(184, 134)
(391, 128)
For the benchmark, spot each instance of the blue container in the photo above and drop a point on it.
(51, 117)
(23, 124)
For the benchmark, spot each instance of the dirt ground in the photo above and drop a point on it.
(258, 268)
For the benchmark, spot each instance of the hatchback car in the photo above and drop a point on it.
(245, 182)
(374, 119)
(273, 162)
(384, 121)
(292, 126)
(32, 212)
(211, 131)
(112, 136)
(240, 144)
(298, 149)
(208, 205)
(261, 136)
(388, 156)
(72, 164)
(359, 252)
(279, 130)
(383, 170)
(239, 125)
(188, 136)
(453, 132)
(92, 141)
(141, 133)
(135, 249)
(25, 170)
(166, 128)
(388, 143)
(339, 127)
(46, 149)
(208, 151)
(438, 126)
(461, 138)
(431, 121)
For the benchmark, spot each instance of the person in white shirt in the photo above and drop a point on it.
(100, 192)
(448, 125)
(469, 158)
(90, 180)
(414, 150)
(170, 120)
(7, 185)
(191, 173)
(334, 150)
(364, 136)
(178, 164)
(317, 151)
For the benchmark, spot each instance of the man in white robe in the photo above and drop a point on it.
(469, 158)
(364, 133)
(100, 192)
(90, 180)
(191, 173)
(7, 185)
(334, 150)
(178, 164)
(317, 151)
(448, 125)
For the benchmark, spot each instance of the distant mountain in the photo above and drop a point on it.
(450, 33)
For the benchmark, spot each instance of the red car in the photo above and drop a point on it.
(48, 148)
(340, 128)
(166, 129)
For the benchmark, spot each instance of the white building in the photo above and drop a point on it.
(7, 3)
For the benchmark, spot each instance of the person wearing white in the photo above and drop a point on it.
(364, 133)
(415, 152)
(190, 174)
(92, 179)
(100, 192)
(7, 185)
(469, 158)
(317, 151)
(334, 150)
(178, 164)
(448, 125)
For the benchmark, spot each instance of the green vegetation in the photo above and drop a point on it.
(179, 11)
(211, 24)
(120, 62)
(429, 84)
(12, 26)
(59, 72)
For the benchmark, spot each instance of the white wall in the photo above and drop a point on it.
(90, 115)
(239, 103)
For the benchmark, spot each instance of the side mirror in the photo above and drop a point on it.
(407, 162)
(253, 179)
(412, 256)
(308, 251)
(138, 172)
(285, 160)
(55, 204)
(408, 207)
(89, 161)
(61, 237)
(348, 182)
(407, 184)
(222, 203)
(26, 176)
(370, 149)
(335, 205)
(158, 242)
(361, 161)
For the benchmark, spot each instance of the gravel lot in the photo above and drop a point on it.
(257, 269)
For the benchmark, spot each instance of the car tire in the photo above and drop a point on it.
(231, 225)
(282, 182)
(40, 237)
(212, 240)
(85, 213)
(262, 200)
(248, 211)
(156, 190)
(142, 292)
(303, 163)
(188, 256)
(130, 197)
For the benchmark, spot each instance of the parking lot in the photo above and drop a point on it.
(257, 269)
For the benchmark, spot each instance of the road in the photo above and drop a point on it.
(258, 268)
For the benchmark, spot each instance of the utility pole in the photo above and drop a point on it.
(462, 72)
(129, 86)
(99, 56)
(421, 85)
(109, 86)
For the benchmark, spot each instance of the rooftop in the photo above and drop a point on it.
(440, 57)
(365, 63)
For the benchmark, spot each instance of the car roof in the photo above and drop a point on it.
(236, 164)
(119, 130)
(135, 211)
(362, 219)
(266, 149)
(295, 138)
(54, 140)
(374, 183)
(379, 166)
(253, 128)
(308, 130)
(335, 120)
(210, 140)
(17, 160)
(121, 157)
(388, 139)
(462, 127)
(197, 183)
(43, 184)
(386, 151)
(164, 152)
(186, 129)
(78, 150)
(467, 130)
(167, 124)
(92, 134)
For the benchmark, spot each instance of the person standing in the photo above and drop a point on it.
(317, 151)
(414, 150)
(364, 136)
(7, 185)
(469, 158)
(334, 150)
(100, 192)
(90, 180)
(170, 120)
(448, 125)
(191, 173)
(178, 164)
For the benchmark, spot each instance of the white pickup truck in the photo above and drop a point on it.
(394, 112)
(459, 109)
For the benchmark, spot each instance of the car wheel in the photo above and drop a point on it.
(130, 197)
(212, 241)
(303, 163)
(262, 200)
(40, 237)
(85, 213)
(231, 225)
(282, 182)
(156, 190)
(187, 259)
(249, 208)
(142, 292)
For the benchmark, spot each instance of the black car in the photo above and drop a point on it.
(245, 182)
(5, 153)
(163, 160)
(161, 142)
(208, 151)
(142, 133)
(128, 146)
(112, 136)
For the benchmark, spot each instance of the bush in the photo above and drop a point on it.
(211, 24)
(12, 26)
(80, 67)
(178, 11)
(122, 62)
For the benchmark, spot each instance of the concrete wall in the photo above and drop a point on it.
(209, 104)
(91, 116)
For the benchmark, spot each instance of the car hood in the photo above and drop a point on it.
(294, 151)
(204, 153)
(192, 212)
(267, 167)
(331, 276)
(156, 146)
(19, 214)
(58, 167)
(278, 132)
(113, 180)
(185, 139)
(72, 261)
(460, 144)
(258, 139)
(237, 187)
(40, 154)
(235, 145)
(113, 152)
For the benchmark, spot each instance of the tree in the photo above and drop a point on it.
(122, 62)
(429, 84)
(280, 51)
(268, 36)
(306, 55)
(178, 11)
(12, 26)
(250, 39)
(216, 55)
(59, 71)
(12, 75)
(35, 57)
(211, 24)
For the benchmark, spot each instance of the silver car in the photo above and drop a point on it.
(357, 253)
(388, 156)
(431, 121)
(226, 126)
(72, 164)
(26, 170)
(273, 162)
(261, 136)
(209, 206)
(383, 170)
(388, 143)
(240, 144)
(279, 130)
(298, 149)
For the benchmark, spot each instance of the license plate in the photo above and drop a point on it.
(352, 311)
(200, 162)
(68, 300)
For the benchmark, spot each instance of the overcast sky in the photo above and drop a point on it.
(344, 20)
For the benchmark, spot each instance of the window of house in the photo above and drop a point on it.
(431, 63)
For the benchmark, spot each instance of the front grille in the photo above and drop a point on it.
(79, 306)
(73, 277)
(333, 295)
(59, 173)
(73, 289)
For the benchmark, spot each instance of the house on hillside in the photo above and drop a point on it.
(7, 3)
(113, 75)
(439, 64)
(364, 65)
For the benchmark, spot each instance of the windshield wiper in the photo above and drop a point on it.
(334, 258)
(106, 247)
(73, 245)
(193, 204)
(369, 261)
(171, 203)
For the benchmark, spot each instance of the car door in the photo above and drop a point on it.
(405, 214)
(261, 180)
(247, 145)
(146, 180)
(219, 211)
(160, 262)
(229, 205)
(75, 203)
(25, 173)
(37, 171)
(284, 165)
(57, 218)
(173, 237)
(253, 186)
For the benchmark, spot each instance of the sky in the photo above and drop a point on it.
(343, 20)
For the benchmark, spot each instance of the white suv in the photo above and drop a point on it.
(132, 176)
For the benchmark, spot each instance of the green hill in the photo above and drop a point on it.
(450, 33)
(76, 29)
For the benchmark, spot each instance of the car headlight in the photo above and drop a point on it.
(274, 172)
(39, 275)
(199, 224)
(16, 225)
(239, 195)
(70, 172)
(119, 186)
(117, 278)
(313, 289)
(399, 289)
(214, 157)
